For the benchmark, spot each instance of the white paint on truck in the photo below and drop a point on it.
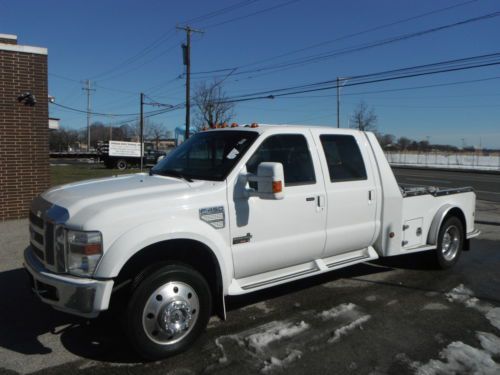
(243, 209)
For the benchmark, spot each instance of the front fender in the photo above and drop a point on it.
(136, 239)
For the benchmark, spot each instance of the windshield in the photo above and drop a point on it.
(207, 155)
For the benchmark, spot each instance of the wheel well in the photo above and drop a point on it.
(457, 212)
(188, 252)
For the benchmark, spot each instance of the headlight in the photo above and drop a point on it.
(84, 252)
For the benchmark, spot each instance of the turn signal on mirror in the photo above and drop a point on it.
(277, 187)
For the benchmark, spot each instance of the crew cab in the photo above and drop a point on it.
(231, 211)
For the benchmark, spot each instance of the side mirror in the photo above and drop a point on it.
(270, 180)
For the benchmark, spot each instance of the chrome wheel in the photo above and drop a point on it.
(170, 313)
(450, 243)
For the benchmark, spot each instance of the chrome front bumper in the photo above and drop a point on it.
(71, 294)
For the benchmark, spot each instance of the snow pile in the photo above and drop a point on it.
(489, 342)
(342, 331)
(466, 296)
(494, 317)
(460, 294)
(460, 358)
(275, 331)
(336, 311)
(275, 363)
(223, 357)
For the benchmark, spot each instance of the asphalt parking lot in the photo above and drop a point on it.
(393, 316)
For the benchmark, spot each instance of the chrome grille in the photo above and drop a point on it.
(37, 235)
(42, 239)
(46, 222)
(49, 243)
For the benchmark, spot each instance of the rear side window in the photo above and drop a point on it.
(290, 150)
(343, 157)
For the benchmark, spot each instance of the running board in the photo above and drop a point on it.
(316, 267)
(279, 279)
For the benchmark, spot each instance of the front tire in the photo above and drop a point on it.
(450, 242)
(167, 312)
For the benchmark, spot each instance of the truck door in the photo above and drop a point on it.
(350, 190)
(272, 234)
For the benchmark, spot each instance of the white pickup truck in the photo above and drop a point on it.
(229, 212)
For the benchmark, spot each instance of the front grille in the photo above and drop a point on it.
(45, 220)
(49, 243)
(42, 239)
(37, 236)
(35, 220)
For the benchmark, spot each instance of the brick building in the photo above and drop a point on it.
(24, 155)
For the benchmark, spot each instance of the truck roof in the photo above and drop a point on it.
(262, 128)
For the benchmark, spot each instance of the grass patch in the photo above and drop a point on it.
(63, 174)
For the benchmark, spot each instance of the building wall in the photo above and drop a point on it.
(24, 153)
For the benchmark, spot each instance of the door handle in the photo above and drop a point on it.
(371, 196)
(310, 199)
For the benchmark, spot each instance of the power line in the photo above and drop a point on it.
(265, 10)
(401, 89)
(166, 36)
(100, 113)
(347, 50)
(219, 12)
(318, 86)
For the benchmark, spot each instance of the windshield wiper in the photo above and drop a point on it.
(171, 173)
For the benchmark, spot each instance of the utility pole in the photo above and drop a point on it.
(186, 49)
(141, 125)
(89, 106)
(338, 102)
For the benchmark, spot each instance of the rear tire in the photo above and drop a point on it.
(121, 164)
(167, 312)
(450, 242)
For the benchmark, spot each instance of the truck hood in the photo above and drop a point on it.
(101, 194)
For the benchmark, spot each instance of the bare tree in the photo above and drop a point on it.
(364, 118)
(404, 143)
(154, 132)
(386, 140)
(211, 105)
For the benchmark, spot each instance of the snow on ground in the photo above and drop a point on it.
(435, 306)
(494, 316)
(342, 331)
(337, 311)
(275, 331)
(489, 342)
(275, 363)
(460, 358)
(275, 345)
(465, 296)
(262, 306)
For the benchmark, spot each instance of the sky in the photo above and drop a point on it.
(126, 47)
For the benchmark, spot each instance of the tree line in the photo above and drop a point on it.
(65, 139)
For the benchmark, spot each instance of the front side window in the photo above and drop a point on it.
(290, 150)
(343, 157)
(207, 155)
